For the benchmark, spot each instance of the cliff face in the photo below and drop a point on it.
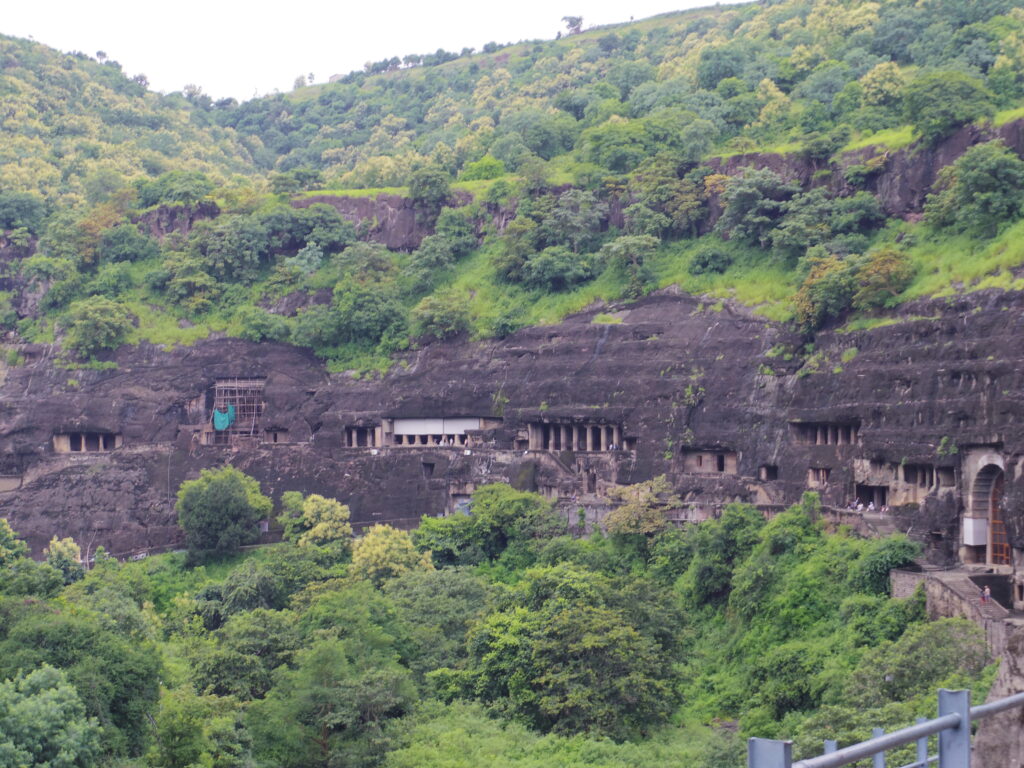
(908, 415)
(902, 177)
(389, 219)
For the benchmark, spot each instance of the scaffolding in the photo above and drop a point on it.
(246, 397)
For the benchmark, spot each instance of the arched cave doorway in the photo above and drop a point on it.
(987, 502)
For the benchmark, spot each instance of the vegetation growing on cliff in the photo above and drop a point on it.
(516, 643)
(545, 176)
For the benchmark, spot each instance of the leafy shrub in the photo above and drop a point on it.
(871, 574)
(557, 268)
(937, 103)
(979, 192)
(487, 167)
(96, 323)
(127, 243)
(710, 258)
(826, 292)
(440, 316)
(260, 325)
(883, 275)
(21, 210)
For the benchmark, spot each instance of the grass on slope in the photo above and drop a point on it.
(948, 265)
(891, 138)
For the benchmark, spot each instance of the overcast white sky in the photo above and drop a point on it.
(240, 49)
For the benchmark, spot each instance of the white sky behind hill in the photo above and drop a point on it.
(242, 49)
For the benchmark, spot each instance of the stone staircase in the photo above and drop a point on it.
(881, 525)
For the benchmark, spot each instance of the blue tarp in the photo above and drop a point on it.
(222, 421)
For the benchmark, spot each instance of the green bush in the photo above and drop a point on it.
(96, 323)
(487, 167)
(440, 316)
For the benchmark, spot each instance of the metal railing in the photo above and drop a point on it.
(953, 726)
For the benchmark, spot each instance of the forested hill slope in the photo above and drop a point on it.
(741, 151)
(796, 75)
(75, 130)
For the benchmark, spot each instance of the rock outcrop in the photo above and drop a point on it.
(722, 401)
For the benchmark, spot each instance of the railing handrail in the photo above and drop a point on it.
(995, 707)
(855, 752)
(952, 725)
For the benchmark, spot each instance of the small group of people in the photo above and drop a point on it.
(986, 595)
(858, 506)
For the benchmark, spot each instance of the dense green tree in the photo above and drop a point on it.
(384, 552)
(629, 255)
(565, 661)
(429, 188)
(574, 220)
(43, 723)
(240, 659)
(317, 326)
(331, 710)
(21, 210)
(181, 187)
(718, 547)
(440, 316)
(195, 730)
(260, 325)
(116, 676)
(557, 268)
(937, 103)
(918, 662)
(826, 292)
(499, 516)
(544, 132)
(96, 323)
(12, 548)
(755, 204)
(883, 275)
(220, 510)
(126, 243)
(269, 582)
(487, 167)
(438, 607)
(978, 192)
(65, 556)
(230, 247)
(364, 312)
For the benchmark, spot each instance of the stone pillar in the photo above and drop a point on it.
(589, 437)
(566, 437)
(617, 436)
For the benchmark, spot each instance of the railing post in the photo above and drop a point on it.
(922, 745)
(831, 745)
(955, 743)
(769, 753)
(878, 759)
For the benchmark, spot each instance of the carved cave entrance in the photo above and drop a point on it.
(987, 505)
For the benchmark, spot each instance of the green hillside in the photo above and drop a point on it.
(547, 175)
(513, 643)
